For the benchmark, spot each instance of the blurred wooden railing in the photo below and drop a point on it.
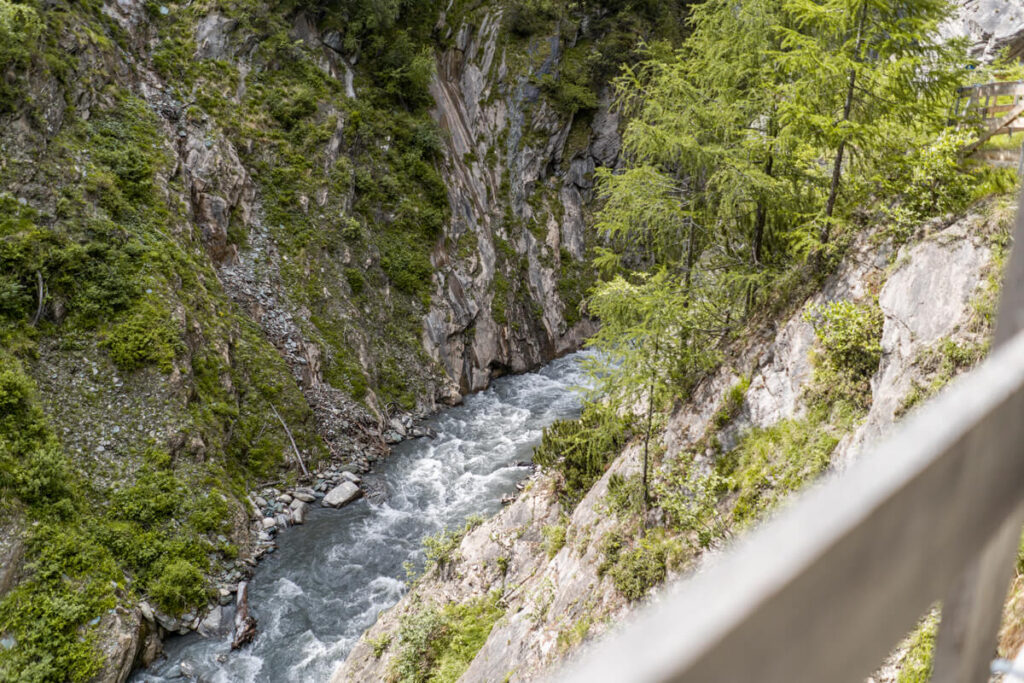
(823, 592)
(995, 108)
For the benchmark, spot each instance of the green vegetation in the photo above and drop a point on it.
(850, 340)
(440, 548)
(19, 30)
(380, 644)
(579, 450)
(941, 362)
(916, 666)
(436, 645)
(554, 538)
(635, 571)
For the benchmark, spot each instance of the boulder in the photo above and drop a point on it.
(305, 495)
(342, 494)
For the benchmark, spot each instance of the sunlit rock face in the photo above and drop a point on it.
(991, 25)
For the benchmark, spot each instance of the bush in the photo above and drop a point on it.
(20, 28)
(580, 450)
(147, 335)
(554, 538)
(179, 585)
(437, 645)
(850, 338)
(636, 571)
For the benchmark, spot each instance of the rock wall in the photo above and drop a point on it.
(931, 291)
(278, 204)
(491, 111)
(991, 26)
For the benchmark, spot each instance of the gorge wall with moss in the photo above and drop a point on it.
(228, 225)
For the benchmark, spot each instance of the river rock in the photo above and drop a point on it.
(299, 515)
(296, 504)
(260, 501)
(269, 523)
(349, 476)
(305, 495)
(282, 520)
(284, 498)
(214, 624)
(342, 494)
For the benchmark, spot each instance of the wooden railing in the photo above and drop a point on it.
(996, 108)
(822, 593)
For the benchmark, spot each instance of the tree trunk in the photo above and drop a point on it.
(647, 435)
(837, 166)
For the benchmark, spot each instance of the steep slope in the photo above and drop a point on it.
(230, 227)
(559, 576)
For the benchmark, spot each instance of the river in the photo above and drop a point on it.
(331, 577)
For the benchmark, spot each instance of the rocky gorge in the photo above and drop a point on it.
(248, 249)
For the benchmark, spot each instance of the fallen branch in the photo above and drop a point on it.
(39, 297)
(287, 431)
(245, 625)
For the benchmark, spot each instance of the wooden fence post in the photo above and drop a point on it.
(972, 610)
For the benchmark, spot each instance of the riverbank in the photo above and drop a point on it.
(324, 582)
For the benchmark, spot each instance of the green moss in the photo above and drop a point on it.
(499, 303)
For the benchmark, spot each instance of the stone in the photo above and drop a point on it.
(214, 623)
(282, 520)
(285, 498)
(342, 494)
(349, 476)
(299, 515)
(306, 495)
(269, 523)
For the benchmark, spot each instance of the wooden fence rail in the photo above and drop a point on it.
(823, 592)
(996, 107)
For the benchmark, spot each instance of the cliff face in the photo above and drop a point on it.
(236, 235)
(934, 296)
(524, 211)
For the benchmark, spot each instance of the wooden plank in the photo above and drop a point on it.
(824, 591)
(1005, 121)
(972, 610)
(994, 88)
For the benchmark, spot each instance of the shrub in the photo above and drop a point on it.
(20, 28)
(147, 335)
(580, 450)
(179, 585)
(850, 338)
(437, 645)
(554, 538)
